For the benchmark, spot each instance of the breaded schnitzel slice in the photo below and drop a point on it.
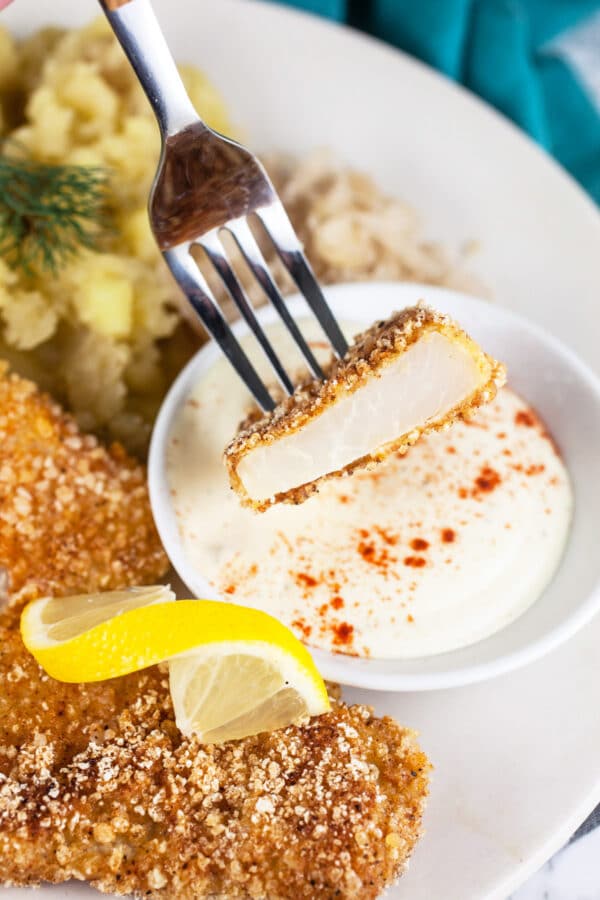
(74, 516)
(415, 372)
(97, 783)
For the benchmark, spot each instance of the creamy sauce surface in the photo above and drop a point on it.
(429, 552)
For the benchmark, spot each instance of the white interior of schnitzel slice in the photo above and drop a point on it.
(405, 376)
(422, 383)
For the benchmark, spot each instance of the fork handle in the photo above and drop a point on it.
(139, 33)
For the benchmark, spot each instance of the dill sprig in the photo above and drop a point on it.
(48, 213)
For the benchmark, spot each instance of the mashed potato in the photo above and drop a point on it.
(105, 335)
(90, 333)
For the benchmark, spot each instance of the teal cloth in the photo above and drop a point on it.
(510, 52)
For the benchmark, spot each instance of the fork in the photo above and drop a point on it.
(207, 183)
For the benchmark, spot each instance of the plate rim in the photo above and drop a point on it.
(446, 82)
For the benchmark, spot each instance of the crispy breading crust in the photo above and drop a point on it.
(74, 515)
(96, 783)
(372, 350)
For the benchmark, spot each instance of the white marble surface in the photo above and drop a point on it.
(573, 874)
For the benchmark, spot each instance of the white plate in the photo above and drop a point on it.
(567, 396)
(517, 759)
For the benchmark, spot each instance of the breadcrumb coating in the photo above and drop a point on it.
(74, 516)
(371, 351)
(97, 783)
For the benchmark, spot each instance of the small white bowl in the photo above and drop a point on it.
(564, 391)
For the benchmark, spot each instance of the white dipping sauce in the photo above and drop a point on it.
(426, 553)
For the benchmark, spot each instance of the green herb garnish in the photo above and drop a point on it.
(48, 213)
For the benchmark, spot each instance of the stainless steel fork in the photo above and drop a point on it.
(207, 183)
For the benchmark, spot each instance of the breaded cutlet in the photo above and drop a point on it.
(74, 515)
(403, 377)
(96, 781)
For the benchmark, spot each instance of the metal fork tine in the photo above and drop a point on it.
(256, 261)
(205, 182)
(192, 282)
(216, 253)
(279, 228)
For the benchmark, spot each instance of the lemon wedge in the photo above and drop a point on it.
(233, 671)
